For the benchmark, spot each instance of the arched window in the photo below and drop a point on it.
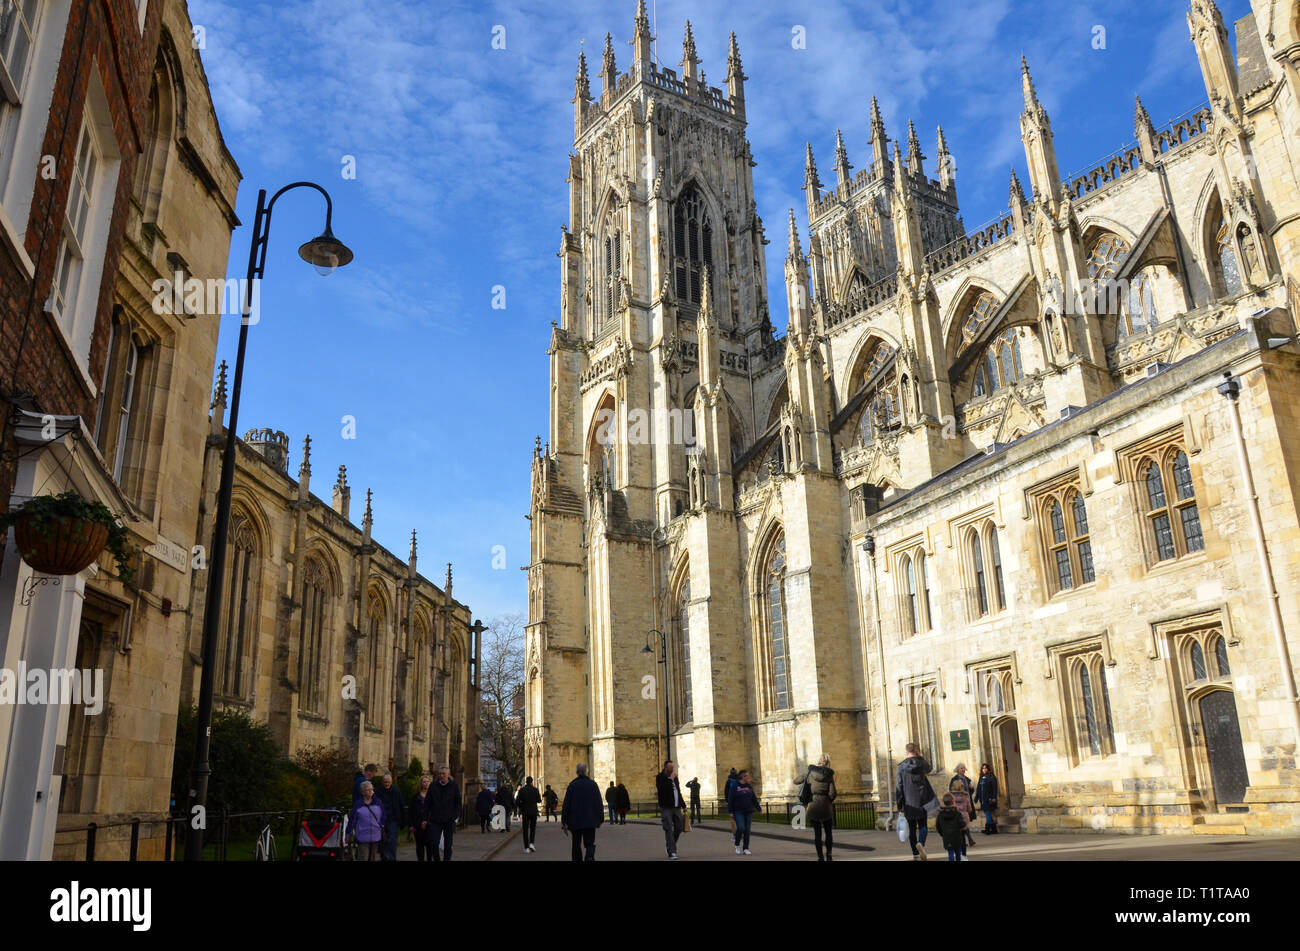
(1221, 657)
(612, 252)
(1091, 701)
(162, 109)
(686, 711)
(1140, 313)
(923, 567)
(1197, 657)
(882, 410)
(909, 595)
(692, 244)
(1066, 535)
(777, 627)
(1172, 535)
(311, 636)
(977, 562)
(1001, 364)
(980, 313)
(1107, 253)
(456, 695)
(999, 589)
(376, 618)
(914, 574)
(239, 623)
(1229, 270)
(1081, 542)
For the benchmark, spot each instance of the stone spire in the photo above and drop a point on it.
(304, 468)
(642, 50)
(690, 61)
(947, 172)
(1019, 207)
(706, 330)
(794, 249)
(342, 498)
(368, 519)
(915, 160)
(410, 564)
(1214, 53)
(842, 165)
(1040, 152)
(1027, 87)
(735, 73)
(581, 93)
(608, 71)
(217, 420)
(879, 143)
(797, 290)
(907, 224)
(1145, 132)
(447, 590)
(812, 185)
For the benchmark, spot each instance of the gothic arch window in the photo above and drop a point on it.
(1001, 365)
(914, 578)
(882, 410)
(976, 318)
(1089, 700)
(376, 623)
(162, 109)
(682, 661)
(1221, 657)
(1139, 313)
(1225, 267)
(977, 564)
(692, 245)
(1107, 253)
(312, 625)
(984, 565)
(612, 273)
(602, 445)
(421, 664)
(1063, 522)
(456, 695)
(775, 618)
(995, 552)
(239, 621)
(1173, 520)
(923, 720)
(1197, 658)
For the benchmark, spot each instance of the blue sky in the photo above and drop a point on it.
(461, 152)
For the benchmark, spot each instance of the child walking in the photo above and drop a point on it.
(950, 823)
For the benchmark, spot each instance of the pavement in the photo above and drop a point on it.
(467, 845)
(643, 840)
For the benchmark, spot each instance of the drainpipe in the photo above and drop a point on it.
(869, 546)
(1231, 388)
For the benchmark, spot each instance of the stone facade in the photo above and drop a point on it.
(991, 487)
(330, 638)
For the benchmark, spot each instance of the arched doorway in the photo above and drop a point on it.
(1221, 734)
(1007, 763)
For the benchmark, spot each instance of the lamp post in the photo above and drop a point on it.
(325, 253)
(663, 686)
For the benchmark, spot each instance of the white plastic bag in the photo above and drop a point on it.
(902, 828)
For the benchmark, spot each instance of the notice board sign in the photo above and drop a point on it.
(960, 740)
(1040, 731)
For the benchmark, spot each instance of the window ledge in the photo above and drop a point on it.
(1172, 565)
(313, 717)
(15, 246)
(1067, 593)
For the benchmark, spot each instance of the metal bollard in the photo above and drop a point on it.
(90, 842)
(135, 839)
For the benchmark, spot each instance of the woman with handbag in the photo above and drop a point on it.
(817, 792)
(367, 824)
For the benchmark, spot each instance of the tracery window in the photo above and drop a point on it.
(685, 706)
(1067, 543)
(1107, 253)
(1139, 313)
(1173, 520)
(914, 576)
(778, 635)
(311, 636)
(981, 313)
(1229, 270)
(1001, 364)
(988, 592)
(1089, 700)
(239, 621)
(613, 271)
(376, 617)
(882, 410)
(692, 244)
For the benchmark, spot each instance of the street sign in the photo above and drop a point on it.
(960, 740)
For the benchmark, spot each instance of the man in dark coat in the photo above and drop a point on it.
(506, 800)
(913, 793)
(694, 787)
(394, 816)
(443, 812)
(582, 814)
(483, 806)
(669, 789)
(366, 775)
(611, 801)
(551, 800)
(528, 800)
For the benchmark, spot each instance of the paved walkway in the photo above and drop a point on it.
(643, 840)
(467, 845)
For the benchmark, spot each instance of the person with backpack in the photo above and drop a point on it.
(366, 825)
(817, 792)
(950, 823)
(916, 796)
(624, 803)
(506, 800)
(552, 800)
(528, 801)
(986, 798)
(742, 805)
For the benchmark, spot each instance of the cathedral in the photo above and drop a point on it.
(1023, 494)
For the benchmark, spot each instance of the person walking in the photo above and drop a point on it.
(552, 800)
(367, 822)
(443, 812)
(506, 800)
(418, 818)
(743, 805)
(581, 815)
(611, 801)
(731, 783)
(694, 787)
(528, 800)
(949, 823)
(961, 802)
(366, 775)
(483, 803)
(624, 803)
(394, 816)
(986, 798)
(960, 773)
(817, 792)
(916, 796)
(670, 806)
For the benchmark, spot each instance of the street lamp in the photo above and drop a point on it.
(663, 687)
(325, 253)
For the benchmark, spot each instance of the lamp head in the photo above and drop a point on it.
(326, 253)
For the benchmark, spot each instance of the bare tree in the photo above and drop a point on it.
(501, 698)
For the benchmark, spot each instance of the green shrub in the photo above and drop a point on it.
(333, 768)
(243, 758)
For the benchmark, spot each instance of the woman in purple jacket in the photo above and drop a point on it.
(367, 822)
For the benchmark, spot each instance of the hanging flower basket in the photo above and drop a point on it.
(64, 534)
